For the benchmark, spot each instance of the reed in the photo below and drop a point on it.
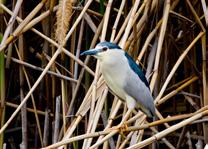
(167, 38)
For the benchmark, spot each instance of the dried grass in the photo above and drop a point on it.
(168, 38)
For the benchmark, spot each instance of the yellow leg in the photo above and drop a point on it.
(123, 126)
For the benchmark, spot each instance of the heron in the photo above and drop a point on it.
(124, 77)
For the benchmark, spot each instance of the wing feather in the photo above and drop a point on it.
(136, 69)
(137, 87)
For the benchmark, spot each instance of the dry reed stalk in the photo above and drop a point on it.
(78, 60)
(82, 71)
(9, 55)
(179, 83)
(195, 16)
(84, 107)
(52, 42)
(63, 95)
(117, 104)
(46, 128)
(87, 143)
(79, 44)
(124, 142)
(37, 20)
(151, 35)
(105, 4)
(137, 116)
(30, 91)
(9, 104)
(119, 34)
(129, 129)
(184, 129)
(10, 23)
(120, 136)
(147, 41)
(181, 16)
(33, 101)
(63, 16)
(118, 141)
(166, 142)
(137, 135)
(96, 116)
(168, 130)
(90, 22)
(150, 60)
(174, 92)
(21, 46)
(130, 23)
(180, 59)
(125, 117)
(58, 65)
(134, 40)
(106, 19)
(23, 24)
(159, 116)
(160, 43)
(130, 135)
(191, 101)
(140, 135)
(93, 109)
(140, 25)
(117, 20)
(41, 69)
(204, 81)
(204, 6)
(92, 12)
(85, 136)
(94, 92)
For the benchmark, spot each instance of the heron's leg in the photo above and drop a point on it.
(126, 116)
(131, 104)
(122, 125)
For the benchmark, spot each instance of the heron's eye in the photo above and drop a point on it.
(105, 48)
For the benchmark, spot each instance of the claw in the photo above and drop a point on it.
(121, 128)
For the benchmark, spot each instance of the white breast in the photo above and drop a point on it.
(113, 67)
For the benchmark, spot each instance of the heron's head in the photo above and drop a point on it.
(101, 49)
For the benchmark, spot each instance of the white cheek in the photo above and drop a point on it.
(102, 55)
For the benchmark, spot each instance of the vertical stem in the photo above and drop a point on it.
(160, 43)
(204, 79)
(46, 128)
(130, 23)
(57, 119)
(2, 92)
(21, 75)
(63, 94)
(117, 20)
(106, 19)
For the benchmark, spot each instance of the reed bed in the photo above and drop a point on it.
(51, 97)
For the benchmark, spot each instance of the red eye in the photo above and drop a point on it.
(105, 48)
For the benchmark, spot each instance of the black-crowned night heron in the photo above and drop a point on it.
(124, 77)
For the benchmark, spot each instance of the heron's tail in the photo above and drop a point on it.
(149, 112)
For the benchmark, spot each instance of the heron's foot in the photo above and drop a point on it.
(121, 128)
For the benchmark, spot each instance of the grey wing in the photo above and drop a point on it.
(141, 93)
